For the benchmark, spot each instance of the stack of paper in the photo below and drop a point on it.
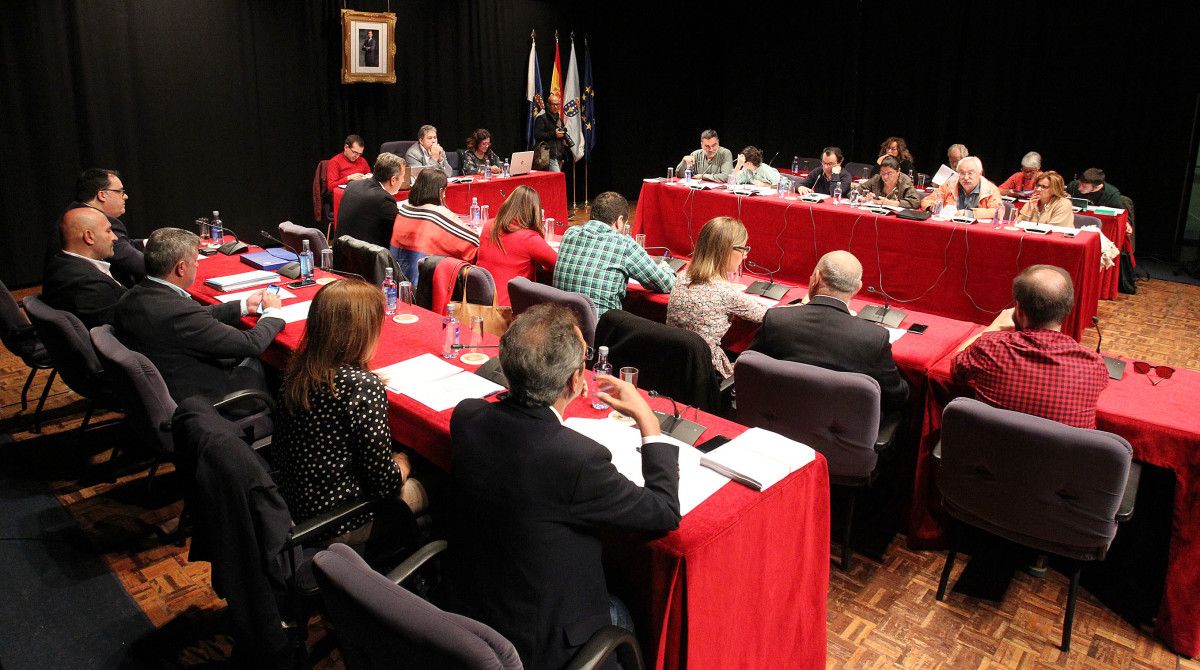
(284, 294)
(758, 458)
(435, 383)
(241, 280)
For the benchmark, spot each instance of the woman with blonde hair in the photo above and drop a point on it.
(1049, 203)
(704, 300)
(515, 246)
(333, 444)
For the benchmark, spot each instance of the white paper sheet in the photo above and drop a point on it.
(944, 172)
(284, 294)
(416, 371)
(297, 311)
(242, 280)
(435, 383)
(895, 334)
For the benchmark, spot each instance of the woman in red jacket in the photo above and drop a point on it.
(515, 246)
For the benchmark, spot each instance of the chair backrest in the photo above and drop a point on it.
(293, 236)
(809, 164)
(363, 258)
(480, 285)
(454, 158)
(673, 361)
(148, 403)
(320, 191)
(1031, 480)
(858, 170)
(1082, 220)
(17, 334)
(70, 347)
(835, 413)
(381, 624)
(398, 147)
(524, 294)
(1127, 205)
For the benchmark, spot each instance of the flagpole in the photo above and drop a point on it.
(574, 198)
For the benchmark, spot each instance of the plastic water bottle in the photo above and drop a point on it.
(784, 186)
(837, 193)
(687, 176)
(504, 168)
(795, 165)
(602, 367)
(306, 263)
(450, 332)
(389, 291)
(216, 229)
(475, 213)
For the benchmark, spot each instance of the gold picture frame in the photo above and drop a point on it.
(368, 47)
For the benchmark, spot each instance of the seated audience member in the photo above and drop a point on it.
(549, 131)
(425, 226)
(826, 334)
(598, 260)
(1023, 361)
(897, 148)
(749, 169)
(103, 191)
(711, 161)
(479, 155)
(515, 244)
(1092, 185)
(347, 166)
(704, 300)
(966, 190)
(1026, 179)
(427, 152)
(829, 176)
(1050, 203)
(333, 444)
(530, 495)
(891, 186)
(78, 280)
(197, 350)
(368, 210)
(955, 153)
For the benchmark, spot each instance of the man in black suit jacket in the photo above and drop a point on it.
(529, 494)
(198, 350)
(825, 334)
(102, 190)
(77, 279)
(368, 209)
(829, 176)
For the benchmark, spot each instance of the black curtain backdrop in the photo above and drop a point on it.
(227, 104)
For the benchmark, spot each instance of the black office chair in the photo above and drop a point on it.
(858, 170)
(294, 236)
(367, 260)
(1082, 220)
(20, 338)
(454, 159)
(479, 285)
(398, 147)
(523, 294)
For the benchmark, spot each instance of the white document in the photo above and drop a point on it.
(284, 294)
(895, 334)
(297, 311)
(758, 458)
(696, 483)
(944, 172)
(764, 300)
(433, 382)
(242, 280)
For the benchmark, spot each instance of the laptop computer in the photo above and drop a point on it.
(521, 163)
(413, 171)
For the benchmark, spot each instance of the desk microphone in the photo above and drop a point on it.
(773, 159)
(291, 270)
(882, 315)
(767, 289)
(676, 426)
(1116, 368)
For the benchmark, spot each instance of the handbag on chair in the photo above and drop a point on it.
(496, 318)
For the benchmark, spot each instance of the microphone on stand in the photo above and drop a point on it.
(773, 159)
(767, 289)
(884, 315)
(676, 426)
(1116, 367)
(291, 270)
(674, 263)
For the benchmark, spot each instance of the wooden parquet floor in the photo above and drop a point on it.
(879, 615)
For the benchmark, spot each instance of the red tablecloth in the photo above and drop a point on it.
(1114, 228)
(741, 583)
(1160, 423)
(961, 272)
(551, 188)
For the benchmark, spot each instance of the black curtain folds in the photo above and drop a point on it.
(229, 105)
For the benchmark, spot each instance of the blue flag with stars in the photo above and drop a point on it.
(587, 101)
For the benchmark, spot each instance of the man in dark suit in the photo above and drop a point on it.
(830, 176)
(368, 210)
(198, 350)
(77, 278)
(824, 333)
(529, 494)
(103, 191)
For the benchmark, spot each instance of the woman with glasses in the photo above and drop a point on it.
(704, 299)
(891, 186)
(1049, 203)
(479, 155)
(896, 148)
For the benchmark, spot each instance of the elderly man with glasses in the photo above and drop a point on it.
(968, 189)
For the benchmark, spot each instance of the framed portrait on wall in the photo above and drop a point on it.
(368, 47)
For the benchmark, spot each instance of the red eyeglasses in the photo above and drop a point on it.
(1162, 371)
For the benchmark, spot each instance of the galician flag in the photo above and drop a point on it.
(571, 105)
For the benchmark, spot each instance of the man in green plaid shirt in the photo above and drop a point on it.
(598, 260)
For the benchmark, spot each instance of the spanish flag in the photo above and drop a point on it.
(556, 78)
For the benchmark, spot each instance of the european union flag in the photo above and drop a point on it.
(587, 100)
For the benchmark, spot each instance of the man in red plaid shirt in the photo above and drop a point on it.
(1023, 362)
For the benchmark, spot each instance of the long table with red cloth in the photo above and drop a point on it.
(957, 271)
(551, 188)
(1115, 228)
(741, 583)
(1160, 423)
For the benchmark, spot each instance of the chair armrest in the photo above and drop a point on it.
(603, 644)
(888, 425)
(725, 384)
(264, 398)
(419, 557)
(305, 532)
(1125, 511)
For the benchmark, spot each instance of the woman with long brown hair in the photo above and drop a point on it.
(897, 148)
(333, 444)
(515, 246)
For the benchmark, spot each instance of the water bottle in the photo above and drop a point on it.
(602, 367)
(504, 168)
(687, 176)
(389, 291)
(837, 193)
(475, 212)
(450, 332)
(784, 186)
(306, 263)
(216, 229)
(795, 165)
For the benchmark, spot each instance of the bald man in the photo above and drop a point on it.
(1023, 362)
(78, 279)
(103, 191)
(824, 333)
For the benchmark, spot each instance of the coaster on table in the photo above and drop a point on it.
(405, 318)
(474, 358)
(326, 280)
(621, 418)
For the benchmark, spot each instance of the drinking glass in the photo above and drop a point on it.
(475, 337)
(549, 224)
(670, 174)
(327, 260)
(629, 374)
(485, 213)
(404, 296)
(640, 238)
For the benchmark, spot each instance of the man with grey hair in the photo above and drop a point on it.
(198, 350)
(968, 189)
(824, 332)
(711, 161)
(955, 153)
(368, 210)
(1024, 181)
(427, 152)
(529, 495)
